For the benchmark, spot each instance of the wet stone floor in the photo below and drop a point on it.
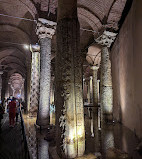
(11, 141)
(115, 140)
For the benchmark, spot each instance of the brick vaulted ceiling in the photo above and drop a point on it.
(94, 15)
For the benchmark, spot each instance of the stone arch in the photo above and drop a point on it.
(89, 18)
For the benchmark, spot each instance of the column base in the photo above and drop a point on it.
(43, 124)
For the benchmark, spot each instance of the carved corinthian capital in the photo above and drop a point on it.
(45, 28)
(106, 39)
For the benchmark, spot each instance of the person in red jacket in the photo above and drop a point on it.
(12, 112)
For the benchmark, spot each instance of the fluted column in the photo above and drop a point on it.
(45, 31)
(35, 75)
(106, 96)
(68, 80)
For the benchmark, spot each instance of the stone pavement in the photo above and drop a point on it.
(11, 142)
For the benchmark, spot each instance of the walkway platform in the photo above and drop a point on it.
(115, 140)
(11, 141)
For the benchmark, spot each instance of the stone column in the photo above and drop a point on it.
(98, 85)
(45, 31)
(1, 72)
(88, 91)
(35, 76)
(91, 89)
(68, 80)
(95, 103)
(4, 84)
(28, 86)
(95, 85)
(52, 91)
(106, 80)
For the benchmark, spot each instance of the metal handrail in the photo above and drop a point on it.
(27, 156)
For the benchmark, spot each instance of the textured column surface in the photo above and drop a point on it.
(68, 91)
(35, 75)
(106, 40)
(91, 89)
(95, 85)
(88, 91)
(95, 103)
(45, 31)
(45, 77)
(0, 83)
(106, 86)
(28, 85)
(4, 84)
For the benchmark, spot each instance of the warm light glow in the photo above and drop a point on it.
(26, 46)
(72, 135)
(80, 132)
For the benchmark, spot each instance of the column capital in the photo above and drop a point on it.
(106, 39)
(94, 68)
(35, 48)
(45, 28)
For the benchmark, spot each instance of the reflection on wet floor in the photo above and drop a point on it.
(112, 138)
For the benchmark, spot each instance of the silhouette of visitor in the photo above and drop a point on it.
(12, 112)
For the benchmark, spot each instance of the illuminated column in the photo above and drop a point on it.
(52, 106)
(52, 91)
(45, 31)
(95, 85)
(98, 85)
(106, 80)
(95, 103)
(91, 89)
(35, 75)
(68, 80)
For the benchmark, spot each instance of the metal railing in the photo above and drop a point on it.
(26, 151)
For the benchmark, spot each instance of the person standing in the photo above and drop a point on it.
(12, 112)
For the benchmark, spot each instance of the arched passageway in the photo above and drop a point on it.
(68, 62)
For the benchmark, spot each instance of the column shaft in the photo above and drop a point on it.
(0, 84)
(95, 85)
(106, 86)
(91, 89)
(28, 85)
(34, 99)
(68, 89)
(88, 91)
(45, 78)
